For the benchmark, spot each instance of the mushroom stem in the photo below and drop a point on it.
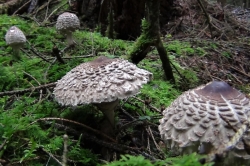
(108, 125)
(107, 109)
(69, 38)
(16, 54)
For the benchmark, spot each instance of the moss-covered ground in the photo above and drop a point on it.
(30, 134)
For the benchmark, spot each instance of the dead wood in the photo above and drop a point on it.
(10, 6)
(15, 92)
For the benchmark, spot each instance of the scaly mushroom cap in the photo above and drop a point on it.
(202, 116)
(15, 37)
(67, 22)
(101, 80)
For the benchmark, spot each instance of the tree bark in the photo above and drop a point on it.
(151, 37)
(110, 28)
(128, 15)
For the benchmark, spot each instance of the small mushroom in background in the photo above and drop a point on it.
(16, 39)
(66, 24)
(210, 119)
(102, 82)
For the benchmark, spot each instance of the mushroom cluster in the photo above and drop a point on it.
(66, 24)
(102, 82)
(16, 39)
(207, 119)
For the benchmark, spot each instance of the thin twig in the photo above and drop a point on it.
(46, 72)
(65, 3)
(47, 9)
(4, 143)
(36, 53)
(21, 7)
(80, 124)
(51, 155)
(118, 147)
(75, 57)
(43, 6)
(27, 90)
(149, 105)
(41, 91)
(152, 136)
(128, 114)
(207, 16)
(240, 71)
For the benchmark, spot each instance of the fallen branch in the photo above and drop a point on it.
(115, 146)
(32, 49)
(7, 93)
(20, 8)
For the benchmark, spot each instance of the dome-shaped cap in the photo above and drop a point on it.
(101, 80)
(15, 37)
(67, 22)
(205, 115)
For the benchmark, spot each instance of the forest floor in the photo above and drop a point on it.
(32, 124)
(224, 37)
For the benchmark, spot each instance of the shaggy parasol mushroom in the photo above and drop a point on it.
(102, 82)
(16, 39)
(66, 24)
(210, 118)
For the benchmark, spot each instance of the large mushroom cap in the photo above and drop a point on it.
(15, 37)
(206, 115)
(67, 22)
(101, 80)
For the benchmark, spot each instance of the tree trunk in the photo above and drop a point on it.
(151, 37)
(110, 28)
(128, 15)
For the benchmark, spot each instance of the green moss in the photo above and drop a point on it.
(179, 48)
(19, 125)
(95, 42)
(145, 38)
(200, 51)
(213, 45)
(226, 54)
(162, 93)
(187, 160)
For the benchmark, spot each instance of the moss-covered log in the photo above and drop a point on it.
(10, 6)
(151, 37)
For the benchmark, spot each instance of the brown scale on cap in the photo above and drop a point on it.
(103, 82)
(16, 39)
(66, 24)
(219, 91)
(207, 117)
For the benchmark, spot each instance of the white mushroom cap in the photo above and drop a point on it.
(67, 22)
(15, 37)
(101, 80)
(202, 116)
